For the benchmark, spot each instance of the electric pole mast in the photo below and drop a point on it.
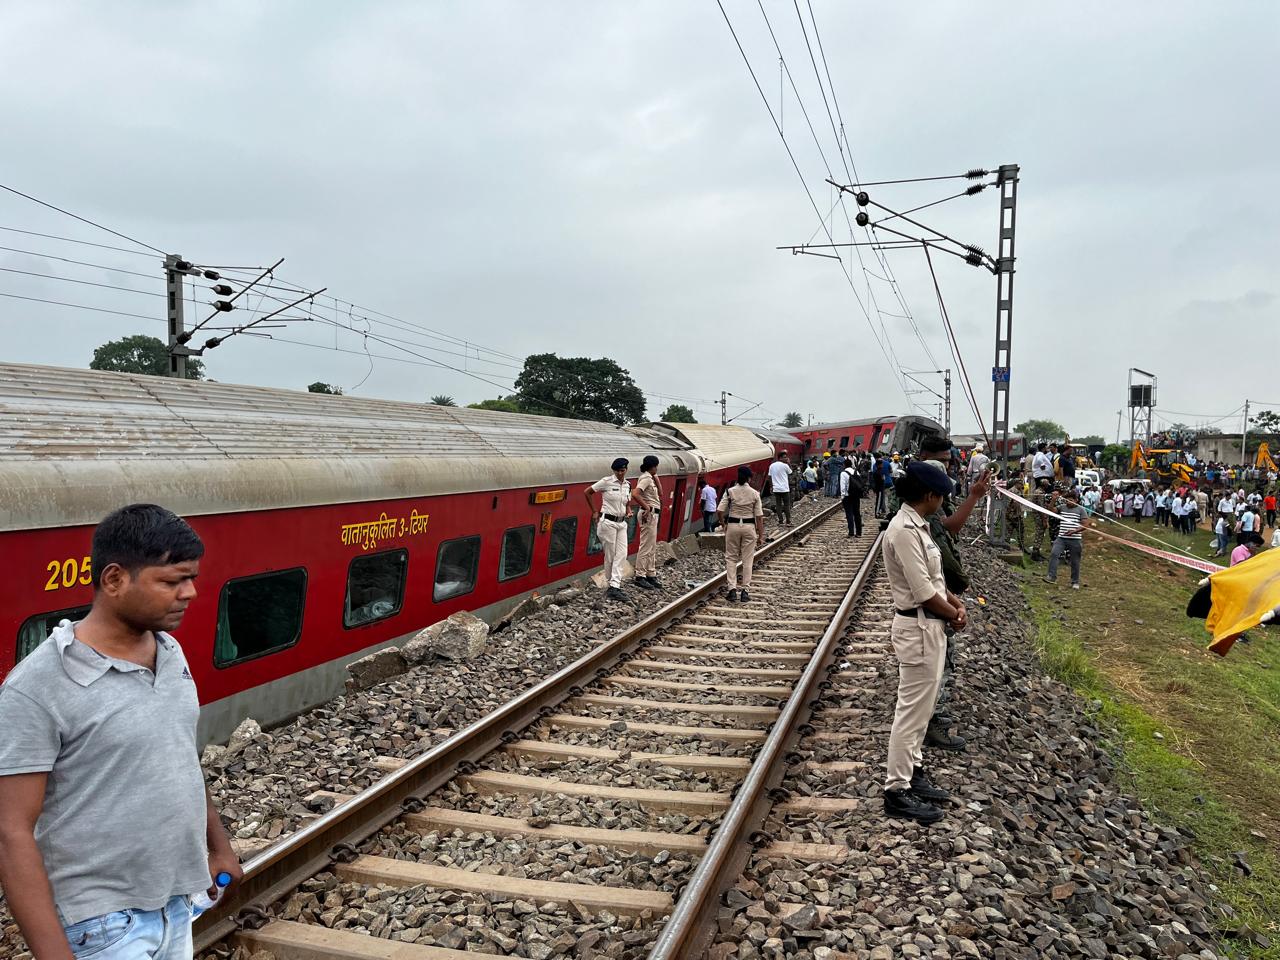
(724, 408)
(1244, 435)
(174, 269)
(1007, 181)
(946, 402)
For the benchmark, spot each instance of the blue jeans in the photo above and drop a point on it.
(163, 934)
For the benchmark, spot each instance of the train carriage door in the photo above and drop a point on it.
(677, 508)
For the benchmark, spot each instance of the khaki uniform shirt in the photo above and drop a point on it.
(617, 495)
(649, 490)
(912, 560)
(741, 501)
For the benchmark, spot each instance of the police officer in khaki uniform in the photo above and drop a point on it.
(611, 527)
(648, 497)
(743, 516)
(924, 607)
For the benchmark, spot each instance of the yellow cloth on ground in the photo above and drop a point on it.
(1239, 596)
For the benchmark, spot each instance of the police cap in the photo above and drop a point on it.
(621, 464)
(930, 475)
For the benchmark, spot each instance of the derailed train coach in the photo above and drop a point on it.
(882, 435)
(333, 526)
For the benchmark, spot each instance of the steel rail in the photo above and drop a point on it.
(277, 871)
(691, 924)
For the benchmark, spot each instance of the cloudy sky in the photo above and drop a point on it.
(604, 179)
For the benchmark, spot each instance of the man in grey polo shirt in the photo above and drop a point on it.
(106, 829)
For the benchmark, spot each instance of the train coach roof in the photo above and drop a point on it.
(721, 445)
(841, 424)
(74, 444)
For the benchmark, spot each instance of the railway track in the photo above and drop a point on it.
(603, 811)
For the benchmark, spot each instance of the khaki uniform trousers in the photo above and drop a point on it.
(920, 644)
(739, 544)
(613, 537)
(647, 555)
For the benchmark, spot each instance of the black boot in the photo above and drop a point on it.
(643, 582)
(654, 582)
(924, 789)
(937, 736)
(904, 805)
(615, 593)
(733, 596)
(744, 596)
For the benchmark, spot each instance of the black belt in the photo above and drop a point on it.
(610, 516)
(915, 610)
(739, 520)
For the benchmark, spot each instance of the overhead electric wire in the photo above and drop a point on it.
(786, 146)
(846, 162)
(955, 350)
(81, 263)
(87, 283)
(74, 216)
(80, 306)
(85, 243)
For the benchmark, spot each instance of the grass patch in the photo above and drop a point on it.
(1197, 736)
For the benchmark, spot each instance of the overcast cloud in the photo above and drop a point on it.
(603, 179)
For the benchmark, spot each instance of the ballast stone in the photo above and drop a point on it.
(460, 636)
(375, 668)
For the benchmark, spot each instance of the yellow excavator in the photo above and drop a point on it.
(1264, 460)
(1167, 465)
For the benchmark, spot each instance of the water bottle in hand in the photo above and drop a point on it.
(202, 901)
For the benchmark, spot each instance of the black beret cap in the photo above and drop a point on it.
(621, 463)
(930, 475)
(649, 462)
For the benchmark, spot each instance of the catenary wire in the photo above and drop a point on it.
(80, 306)
(81, 263)
(86, 243)
(75, 216)
(848, 277)
(955, 349)
(87, 283)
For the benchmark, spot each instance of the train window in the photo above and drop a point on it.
(564, 540)
(593, 542)
(517, 553)
(259, 615)
(844, 443)
(35, 630)
(375, 587)
(456, 566)
(831, 443)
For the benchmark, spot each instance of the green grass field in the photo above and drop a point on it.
(1198, 735)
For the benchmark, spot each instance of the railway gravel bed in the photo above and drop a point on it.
(545, 881)
(266, 784)
(1041, 853)
(263, 785)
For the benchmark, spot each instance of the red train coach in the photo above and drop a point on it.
(882, 435)
(333, 525)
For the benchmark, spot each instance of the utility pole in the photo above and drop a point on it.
(946, 403)
(174, 269)
(1007, 182)
(1244, 435)
(724, 408)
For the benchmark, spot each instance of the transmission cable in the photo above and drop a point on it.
(74, 216)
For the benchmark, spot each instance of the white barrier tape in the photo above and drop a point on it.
(1193, 563)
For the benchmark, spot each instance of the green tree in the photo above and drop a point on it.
(1040, 429)
(1115, 456)
(677, 413)
(579, 387)
(321, 387)
(443, 400)
(1089, 440)
(1265, 424)
(792, 420)
(140, 354)
(501, 404)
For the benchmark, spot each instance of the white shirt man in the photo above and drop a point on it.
(780, 476)
(1042, 466)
